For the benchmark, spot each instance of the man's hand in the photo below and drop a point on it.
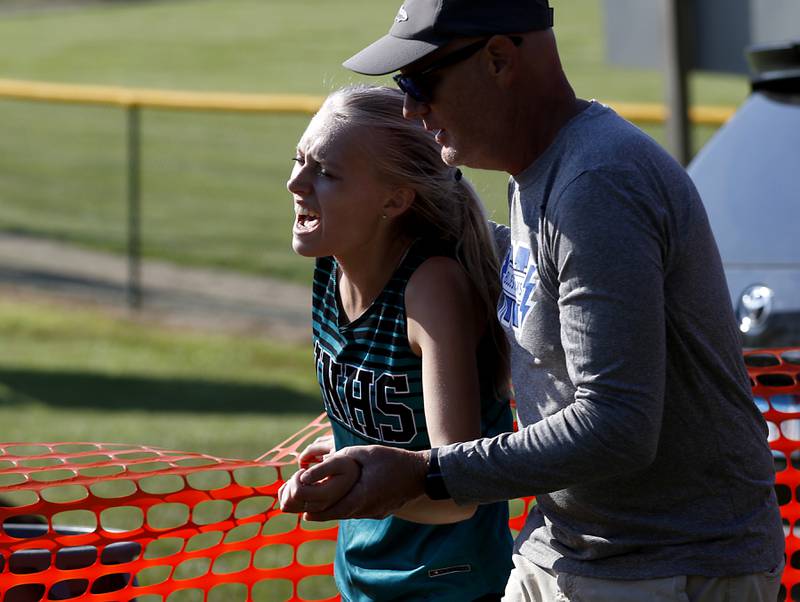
(389, 478)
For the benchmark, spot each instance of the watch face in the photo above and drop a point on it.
(435, 487)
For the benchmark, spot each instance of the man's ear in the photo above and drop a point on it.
(398, 201)
(502, 55)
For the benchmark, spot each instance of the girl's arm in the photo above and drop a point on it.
(444, 328)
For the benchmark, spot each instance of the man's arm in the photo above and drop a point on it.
(604, 250)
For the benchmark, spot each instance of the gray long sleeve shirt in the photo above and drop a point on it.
(638, 435)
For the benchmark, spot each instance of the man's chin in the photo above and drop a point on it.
(450, 156)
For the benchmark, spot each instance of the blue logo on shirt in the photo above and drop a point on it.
(520, 279)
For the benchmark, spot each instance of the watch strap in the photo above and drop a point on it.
(434, 480)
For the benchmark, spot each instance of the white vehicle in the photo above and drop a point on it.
(748, 176)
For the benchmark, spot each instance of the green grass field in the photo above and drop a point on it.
(213, 194)
(79, 375)
(213, 184)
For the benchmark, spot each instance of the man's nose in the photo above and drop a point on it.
(413, 109)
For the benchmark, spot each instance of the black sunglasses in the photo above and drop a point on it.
(418, 85)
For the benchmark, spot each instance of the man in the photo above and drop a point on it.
(639, 436)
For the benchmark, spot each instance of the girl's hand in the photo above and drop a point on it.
(338, 475)
(317, 451)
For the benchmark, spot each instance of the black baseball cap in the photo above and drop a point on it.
(422, 26)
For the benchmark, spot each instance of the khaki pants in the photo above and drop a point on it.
(530, 583)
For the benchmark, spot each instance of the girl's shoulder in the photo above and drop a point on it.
(439, 285)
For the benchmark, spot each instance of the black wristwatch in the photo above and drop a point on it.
(434, 481)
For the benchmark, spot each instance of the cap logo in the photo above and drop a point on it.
(402, 15)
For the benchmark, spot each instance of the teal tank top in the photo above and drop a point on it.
(371, 385)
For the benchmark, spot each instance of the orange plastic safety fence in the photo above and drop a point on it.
(103, 522)
(775, 378)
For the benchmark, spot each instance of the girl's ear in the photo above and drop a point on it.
(398, 202)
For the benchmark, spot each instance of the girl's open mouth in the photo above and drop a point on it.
(305, 220)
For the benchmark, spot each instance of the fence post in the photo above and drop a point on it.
(676, 69)
(134, 285)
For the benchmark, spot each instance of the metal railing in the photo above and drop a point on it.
(132, 100)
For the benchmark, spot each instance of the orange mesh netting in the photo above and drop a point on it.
(103, 522)
(91, 521)
(775, 378)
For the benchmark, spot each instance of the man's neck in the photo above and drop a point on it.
(538, 128)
